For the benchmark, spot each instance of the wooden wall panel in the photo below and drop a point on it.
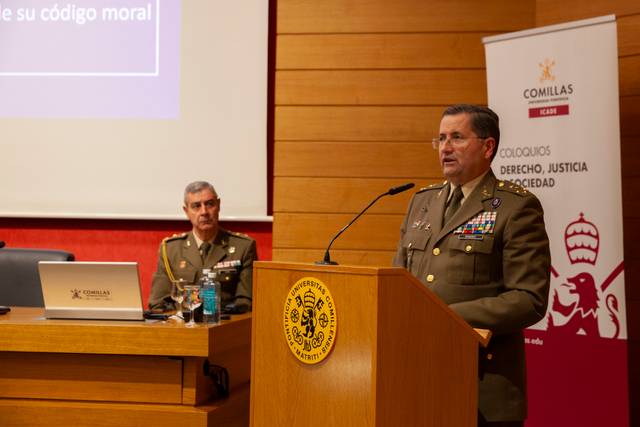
(629, 35)
(371, 16)
(630, 159)
(554, 12)
(360, 86)
(380, 87)
(631, 248)
(342, 195)
(630, 116)
(362, 159)
(309, 231)
(348, 123)
(629, 75)
(375, 51)
(630, 199)
(631, 271)
(633, 317)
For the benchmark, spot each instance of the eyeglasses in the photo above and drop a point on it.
(454, 140)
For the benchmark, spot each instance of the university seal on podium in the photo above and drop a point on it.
(310, 321)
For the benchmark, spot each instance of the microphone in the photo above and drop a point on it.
(392, 191)
(399, 189)
(2, 243)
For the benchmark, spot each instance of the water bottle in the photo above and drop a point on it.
(197, 313)
(211, 299)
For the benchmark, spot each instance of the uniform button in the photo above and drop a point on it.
(436, 251)
(468, 248)
(430, 278)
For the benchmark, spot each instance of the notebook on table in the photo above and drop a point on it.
(91, 290)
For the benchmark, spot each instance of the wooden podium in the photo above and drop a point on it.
(401, 356)
(127, 373)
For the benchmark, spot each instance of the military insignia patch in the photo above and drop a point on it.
(310, 321)
(483, 223)
(419, 224)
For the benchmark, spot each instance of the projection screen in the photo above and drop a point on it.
(108, 108)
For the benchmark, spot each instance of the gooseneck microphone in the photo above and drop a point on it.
(392, 191)
(395, 190)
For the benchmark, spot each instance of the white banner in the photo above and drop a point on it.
(556, 92)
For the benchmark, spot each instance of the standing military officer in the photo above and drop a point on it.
(207, 245)
(480, 244)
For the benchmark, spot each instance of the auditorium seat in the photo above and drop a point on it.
(19, 277)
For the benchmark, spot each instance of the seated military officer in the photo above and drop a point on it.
(207, 245)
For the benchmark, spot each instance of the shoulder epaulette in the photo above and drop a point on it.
(241, 235)
(436, 186)
(180, 236)
(512, 188)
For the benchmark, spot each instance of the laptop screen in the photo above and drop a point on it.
(91, 290)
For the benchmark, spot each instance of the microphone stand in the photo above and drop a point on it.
(395, 190)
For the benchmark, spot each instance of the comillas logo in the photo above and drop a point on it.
(552, 98)
(543, 92)
(546, 66)
(90, 294)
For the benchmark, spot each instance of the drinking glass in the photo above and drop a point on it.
(193, 301)
(177, 294)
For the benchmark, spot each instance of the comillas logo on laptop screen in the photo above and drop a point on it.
(91, 294)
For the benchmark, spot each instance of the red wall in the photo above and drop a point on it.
(114, 240)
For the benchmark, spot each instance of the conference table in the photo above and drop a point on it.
(120, 373)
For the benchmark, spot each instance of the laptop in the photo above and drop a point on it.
(91, 290)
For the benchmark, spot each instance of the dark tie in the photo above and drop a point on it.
(453, 205)
(204, 250)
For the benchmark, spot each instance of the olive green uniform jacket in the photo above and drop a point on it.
(232, 255)
(496, 279)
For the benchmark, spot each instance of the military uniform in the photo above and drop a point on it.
(491, 265)
(232, 255)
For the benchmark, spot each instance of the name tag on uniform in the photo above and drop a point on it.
(483, 223)
(470, 236)
(228, 264)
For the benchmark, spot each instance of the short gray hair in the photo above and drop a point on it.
(196, 187)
